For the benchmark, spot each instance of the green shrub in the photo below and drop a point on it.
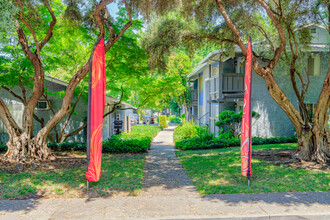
(3, 148)
(162, 121)
(183, 116)
(175, 119)
(67, 146)
(219, 142)
(185, 131)
(137, 141)
(191, 136)
(171, 117)
(230, 122)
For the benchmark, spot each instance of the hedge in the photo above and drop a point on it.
(137, 141)
(162, 121)
(206, 142)
(3, 148)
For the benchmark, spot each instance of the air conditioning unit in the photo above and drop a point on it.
(42, 105)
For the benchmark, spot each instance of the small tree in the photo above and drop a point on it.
(230, 122)
(162, 121)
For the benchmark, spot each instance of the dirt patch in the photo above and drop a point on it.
(285, 157)
(64, 160)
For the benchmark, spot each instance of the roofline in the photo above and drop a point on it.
(311, 24)
(57, 81)
(202, 64)
(60, 82)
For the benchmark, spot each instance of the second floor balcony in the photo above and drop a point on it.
(230, 83)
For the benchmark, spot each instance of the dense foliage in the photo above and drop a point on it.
(175, 119)
(162, 121)
(137, 141)
(230, 122)
(190, 136)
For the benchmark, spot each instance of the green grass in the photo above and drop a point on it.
(119, 173)
(218, 171)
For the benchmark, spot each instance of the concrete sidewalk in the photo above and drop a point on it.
(168, 193)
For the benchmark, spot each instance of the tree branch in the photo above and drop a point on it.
(8, 119)
(127, 25)
(278, 25)
(65, 136)
(71, 112)
(81, 73)
(21, 18)
(265, 35)
(97, 15)
(13, 93)
(23, 90)
(50, 28)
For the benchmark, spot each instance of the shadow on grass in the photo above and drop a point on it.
(121, 174)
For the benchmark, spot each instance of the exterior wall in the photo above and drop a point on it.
(78, 118)
(272, 121)
(321, 36)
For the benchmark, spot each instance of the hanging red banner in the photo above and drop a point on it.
(96, 102)
(246, 132)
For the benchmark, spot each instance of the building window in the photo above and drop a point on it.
(314, 65)
(313, 30)
(195, 86)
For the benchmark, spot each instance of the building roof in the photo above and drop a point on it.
(109, 98)
(214, 56)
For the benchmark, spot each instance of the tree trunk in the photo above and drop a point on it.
(313, 145)
(25, 149)
(186, 110)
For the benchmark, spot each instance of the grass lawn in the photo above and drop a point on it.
(120, 173)
(218, 171)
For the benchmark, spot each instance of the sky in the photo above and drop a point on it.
(113, 9)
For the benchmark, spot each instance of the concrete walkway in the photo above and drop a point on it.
(169, 194)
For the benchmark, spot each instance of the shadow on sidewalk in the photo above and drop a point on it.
(18, 205)
(283, 198)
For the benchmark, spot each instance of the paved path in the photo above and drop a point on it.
(169, 194)
(164, 175)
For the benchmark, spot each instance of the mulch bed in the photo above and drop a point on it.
(285, 157)
(64, 160)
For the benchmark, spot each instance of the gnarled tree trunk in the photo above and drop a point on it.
(25, 149)
(22, 145)
(313, 139)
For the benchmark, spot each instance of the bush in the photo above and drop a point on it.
(219, 142)
(175, 119)
(67, 146)
(162, 121)
(171, 117)
(137, 141)
(3, 148)
(230, 122)
(185, 131)
(191, 136)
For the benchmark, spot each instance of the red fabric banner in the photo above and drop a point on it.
(96, 102)
(246, 132)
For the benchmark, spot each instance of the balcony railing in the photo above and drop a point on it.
(194, 95)
(233, 82)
